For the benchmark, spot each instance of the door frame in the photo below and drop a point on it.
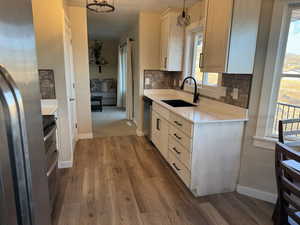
(70, 82)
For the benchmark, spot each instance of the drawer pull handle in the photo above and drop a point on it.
(179, 138)
(178, 124)
(176, 167)
(157, 124)
(176, 151)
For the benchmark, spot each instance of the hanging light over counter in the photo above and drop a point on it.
(184, 19)
(100, 6)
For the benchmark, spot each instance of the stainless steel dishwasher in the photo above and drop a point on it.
(147, 117)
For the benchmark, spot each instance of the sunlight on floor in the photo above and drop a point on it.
(112, 122)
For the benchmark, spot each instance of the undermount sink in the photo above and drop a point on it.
(178, 103)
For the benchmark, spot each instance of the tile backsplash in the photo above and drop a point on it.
(239, 83)
(157, 79)
(47, 84)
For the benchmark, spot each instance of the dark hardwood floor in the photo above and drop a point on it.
(124, 181)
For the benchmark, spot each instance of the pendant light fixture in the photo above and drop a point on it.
(184, 19)
(100, 6)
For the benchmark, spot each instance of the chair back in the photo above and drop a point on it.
(288, 182)
(289, 127)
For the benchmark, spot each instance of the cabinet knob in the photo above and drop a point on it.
(176, 151)
(179, 138)
(157, 124)
(177, 123)
(175, 166)
(201, 62)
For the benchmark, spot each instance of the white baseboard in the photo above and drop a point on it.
(85, 136)
(139, 133)
(65, 164)
(258, 194)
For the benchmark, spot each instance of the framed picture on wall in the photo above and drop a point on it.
(47, 84)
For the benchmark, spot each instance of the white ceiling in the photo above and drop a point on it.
(113, 25)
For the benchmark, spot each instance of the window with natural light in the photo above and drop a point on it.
(209, 79)
(288, 100)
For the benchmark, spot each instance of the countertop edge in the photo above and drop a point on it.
(49, 107)
(192, 121)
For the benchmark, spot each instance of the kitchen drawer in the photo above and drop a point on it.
(180, 169)
(180, 137)
(161, 110)
(182, 124)
(180, 152)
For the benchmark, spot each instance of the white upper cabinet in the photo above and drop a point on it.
(230, 36)
(172, 40)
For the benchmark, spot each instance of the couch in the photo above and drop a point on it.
(107, 88)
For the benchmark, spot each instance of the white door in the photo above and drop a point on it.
(70, 79)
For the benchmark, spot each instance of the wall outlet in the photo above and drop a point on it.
(235, 93)
(147, 81)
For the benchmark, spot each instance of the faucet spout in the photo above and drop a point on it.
(196, 94)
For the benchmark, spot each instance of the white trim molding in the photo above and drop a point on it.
(65, 164)
(258, 194)
(139, 133)
(85, 136)
(273, 70)
(265, 142)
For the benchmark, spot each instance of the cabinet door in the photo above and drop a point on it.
(165, 31)
(164, 138)
(156, 130)
(217, 35)
(160, 132)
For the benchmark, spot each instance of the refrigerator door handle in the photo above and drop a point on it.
(11, 100)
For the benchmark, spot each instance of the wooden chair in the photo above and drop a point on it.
(288, 127)
(288, 184)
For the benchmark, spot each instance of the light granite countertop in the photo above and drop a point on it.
(207, 111)
(49, 107)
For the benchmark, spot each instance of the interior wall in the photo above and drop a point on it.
(257, 167)
(110, 53)
(48, 24)
(149, 55)
(78, 19)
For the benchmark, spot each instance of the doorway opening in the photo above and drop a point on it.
(111, 85)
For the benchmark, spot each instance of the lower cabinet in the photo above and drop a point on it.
(205, 156)
(160, 132)
(180, 169)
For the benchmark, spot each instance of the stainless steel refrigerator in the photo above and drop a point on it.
(24, 195)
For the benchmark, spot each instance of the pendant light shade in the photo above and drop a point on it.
(100, 6)
(184, 19)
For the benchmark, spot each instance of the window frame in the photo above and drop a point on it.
(273, 73)
(214, 91)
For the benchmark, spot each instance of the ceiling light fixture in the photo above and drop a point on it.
(184, 19)
(100, 6)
